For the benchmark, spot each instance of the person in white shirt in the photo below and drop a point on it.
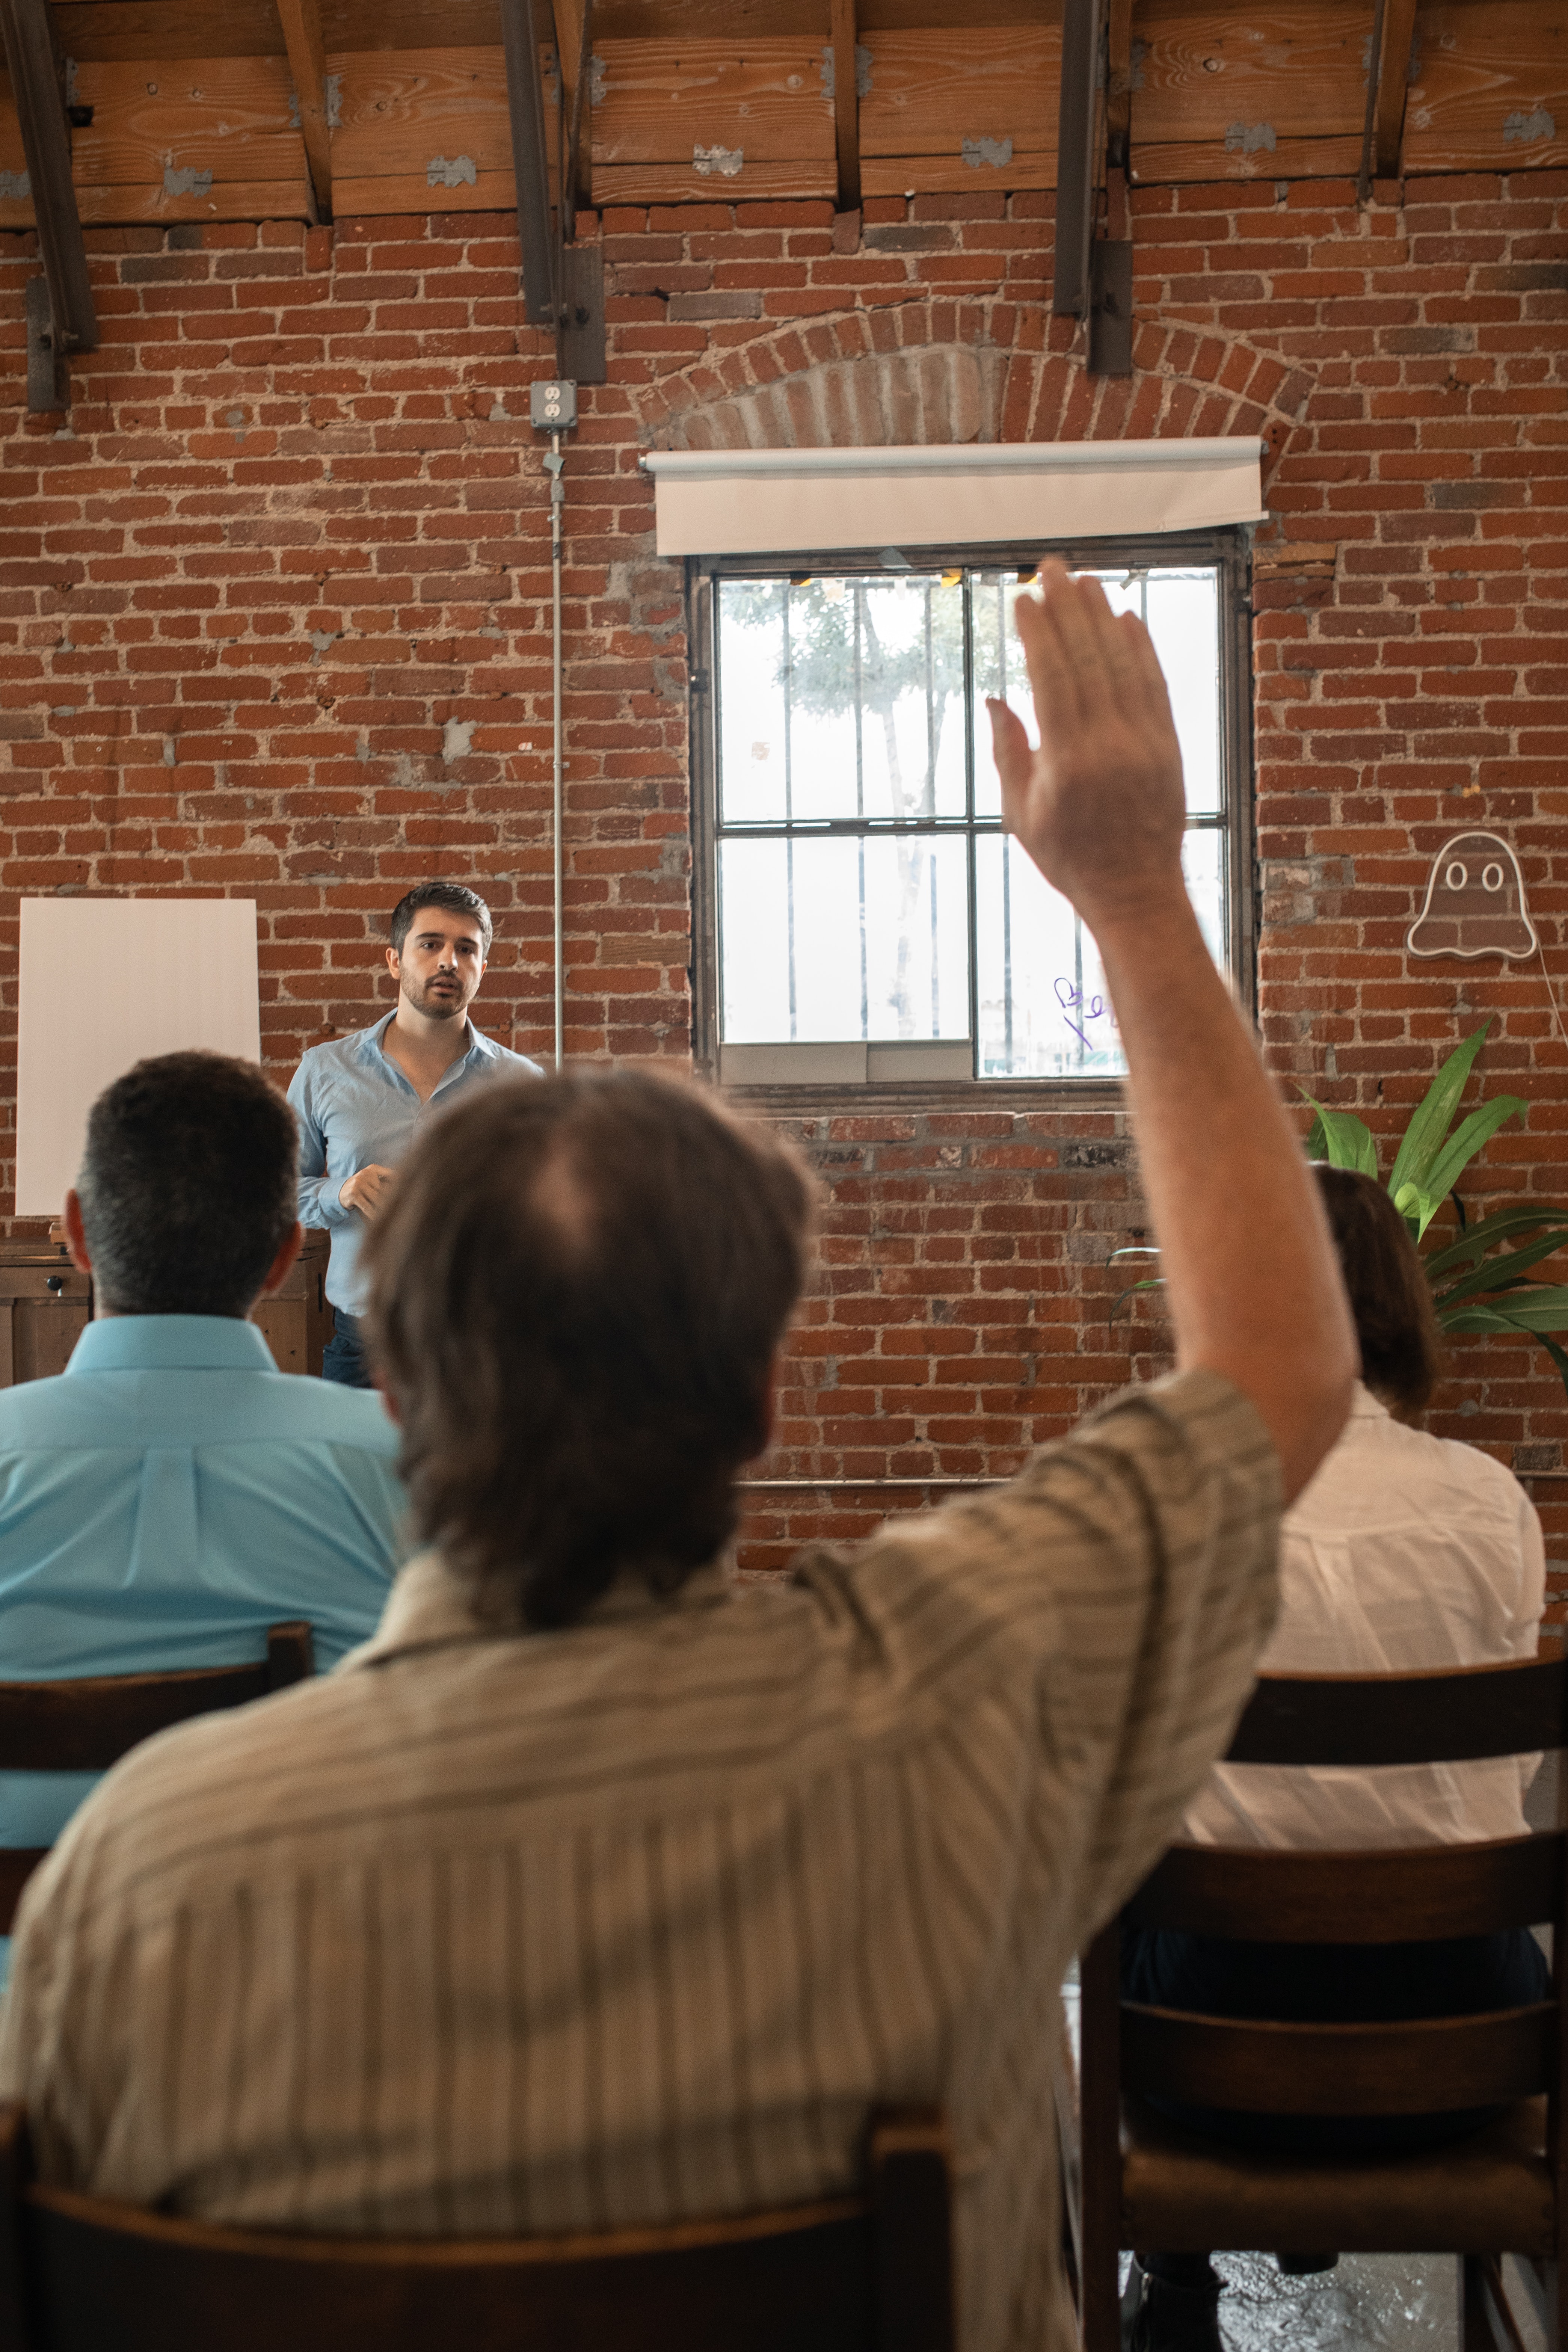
(1404, 1552)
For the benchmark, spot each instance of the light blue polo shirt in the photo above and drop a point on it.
(357, 1109)
(165, 1500)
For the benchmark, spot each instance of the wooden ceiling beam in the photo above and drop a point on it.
(1392, 78)
(846, 105)
(301, 23)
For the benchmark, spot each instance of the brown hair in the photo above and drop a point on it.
(1390, 1296)
(576, 1293)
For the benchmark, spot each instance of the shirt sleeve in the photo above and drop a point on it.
(318, 1201)
(1115, 1597)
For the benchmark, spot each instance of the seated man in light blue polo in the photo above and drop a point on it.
(362, 1099)
(172, 1494)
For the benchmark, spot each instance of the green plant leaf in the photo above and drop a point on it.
(1472, 1318)
(1154, 1282)
(1467, 1139)
(1477, 1239)
(1317, 1144)
(1430, 1120)
(1505, 1272)
(1544, 1309)
(1347, 1143)
(1558, 1357)
(1417, 1208)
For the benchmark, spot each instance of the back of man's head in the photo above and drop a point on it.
(576, 1296)
(187, 1186)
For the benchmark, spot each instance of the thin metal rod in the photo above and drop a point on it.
(558, 791)
(856, 1485)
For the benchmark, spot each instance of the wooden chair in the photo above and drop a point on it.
(1134, 2180)
(868, 2273)
(88, 1725)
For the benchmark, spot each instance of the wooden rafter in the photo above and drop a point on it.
(1393, 75)
(846, 106)
(301, 23)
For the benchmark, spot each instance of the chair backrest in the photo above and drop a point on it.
(1369, 1896)
(88, 1725)
(865, 2274)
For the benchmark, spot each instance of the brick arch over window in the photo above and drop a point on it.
(937, 372)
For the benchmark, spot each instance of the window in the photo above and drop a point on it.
(863, 914)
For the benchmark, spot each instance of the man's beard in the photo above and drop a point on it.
(439, 1004)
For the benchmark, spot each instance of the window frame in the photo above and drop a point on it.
(1228, 549)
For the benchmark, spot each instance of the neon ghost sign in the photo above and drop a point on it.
(1474, 902)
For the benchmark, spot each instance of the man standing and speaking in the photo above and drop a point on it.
(362, 1099)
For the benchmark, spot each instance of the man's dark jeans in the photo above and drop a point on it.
(343, 1358)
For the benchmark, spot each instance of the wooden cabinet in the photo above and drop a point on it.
(45, 1305)
(297, 1322)
(44, 1308)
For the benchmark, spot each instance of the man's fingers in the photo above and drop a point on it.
(1051, 679)
(1078, 612)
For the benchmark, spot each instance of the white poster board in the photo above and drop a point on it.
(104, 982)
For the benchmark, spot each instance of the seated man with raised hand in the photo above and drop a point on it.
(598, 1889)
(172, 1494)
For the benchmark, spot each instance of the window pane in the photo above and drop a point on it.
(1182, 610)
(753, 753)
(841, 698)
(839, 937)
(998, 670)
(1045, 1010)
(1183, 621)
(1202, 862)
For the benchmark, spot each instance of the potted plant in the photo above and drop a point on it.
(1482, 1281)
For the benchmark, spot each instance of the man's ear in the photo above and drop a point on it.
(76, 1234)
(282, 1265)
(394, 963)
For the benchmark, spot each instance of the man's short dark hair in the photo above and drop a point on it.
(188, 1185)
(1390, 1296)
(455, 898)
(577, 1294)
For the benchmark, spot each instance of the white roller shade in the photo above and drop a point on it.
(795, 501)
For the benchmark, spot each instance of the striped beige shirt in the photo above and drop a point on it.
(494, 1932)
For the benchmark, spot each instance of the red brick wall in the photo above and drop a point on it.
(291, 548)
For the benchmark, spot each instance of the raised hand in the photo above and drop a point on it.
(1099, 806)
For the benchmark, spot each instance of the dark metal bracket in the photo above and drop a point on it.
(1110, 305)
(563, 285)
(60, 316)
(48, 378)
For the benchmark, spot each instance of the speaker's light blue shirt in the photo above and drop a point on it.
(164, 1501)
(357, 1109)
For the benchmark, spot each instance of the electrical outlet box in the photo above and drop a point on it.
(554, 407)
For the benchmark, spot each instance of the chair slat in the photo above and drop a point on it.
(847, 2275)
(18, 1863)
(1431, 2065)
(1363, 1720)
(88, 1725)
(1380, 1896)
